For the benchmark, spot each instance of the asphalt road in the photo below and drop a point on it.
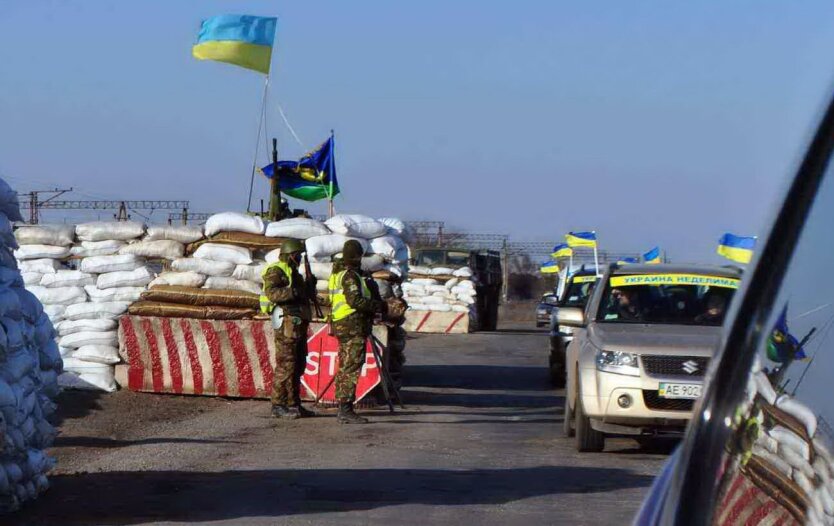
(479, 443)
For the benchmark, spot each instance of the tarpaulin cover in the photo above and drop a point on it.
(202, 297)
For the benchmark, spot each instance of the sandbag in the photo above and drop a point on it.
(41, 251)
(463, 272)
(219, 283)
(356, 225)
(102, 230)
(176, 310)
(115, 263)
(9, 204)
(321, 271)
(66, 278)
(126, 294)
(228, 253)
(233, 222)
(184, 279)
(71, 326)
(101, 380)
(132, 278)
(325, 246)
(44, 266)
(183, 234)
(373, 263)
(58, 235)
(103, 354)
(31, 278)
(272, 256)
(398, 228)
(386, 246)
(241, 239)
(107, 310)
(201, 297)
(203, 266)
(442, 271)
(97, 248)
(247, 272)
(297, 228)
(81, 338)
(55, 312)
(161, 249)
(59, 296)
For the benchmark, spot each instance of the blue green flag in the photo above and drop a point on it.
(311, 178)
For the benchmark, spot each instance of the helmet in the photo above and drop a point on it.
(352, 251)
(292, 246)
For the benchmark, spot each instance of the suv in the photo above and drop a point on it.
(575, 294)
(544, 308)
(638, 365)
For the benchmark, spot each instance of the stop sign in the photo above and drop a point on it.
(323, 363)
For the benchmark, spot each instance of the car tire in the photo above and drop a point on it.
(588, 439)
(567, 419)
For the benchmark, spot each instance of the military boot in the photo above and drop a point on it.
(303, 412)
(348, 416)
(282, 411)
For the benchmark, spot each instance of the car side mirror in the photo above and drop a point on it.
(571, 317)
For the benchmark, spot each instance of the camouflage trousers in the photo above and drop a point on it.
(290, 361)
(351, 360)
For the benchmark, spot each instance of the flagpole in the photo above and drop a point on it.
(261, 124)
(331, 211)
(596, 256)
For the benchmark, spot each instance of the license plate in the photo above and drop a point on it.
(680, 391)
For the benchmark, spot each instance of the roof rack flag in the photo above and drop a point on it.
(562, 250)
(549, 267)
(311, 178)
(581, 239)
(627, 261)
(652, 257)
(736, 248)
(242, 40)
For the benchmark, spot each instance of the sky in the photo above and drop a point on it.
(651, 122)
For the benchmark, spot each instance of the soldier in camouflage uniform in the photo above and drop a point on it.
(353, 310)
(285, 288)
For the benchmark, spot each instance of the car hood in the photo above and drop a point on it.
(654, 339)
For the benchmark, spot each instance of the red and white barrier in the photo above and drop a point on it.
(437, 322)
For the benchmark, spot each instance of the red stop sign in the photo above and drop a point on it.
(323, 363)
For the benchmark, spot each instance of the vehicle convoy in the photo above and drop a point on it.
(544, 308)
(575, 294)
(487, 275)
(637, 363)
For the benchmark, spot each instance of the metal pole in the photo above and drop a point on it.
(275, 186)
(261, 120)
(505, 271)
(33, 208)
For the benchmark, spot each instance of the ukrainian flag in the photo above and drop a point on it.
(736, 248)
(652, 257)
(242, 40)
(581, 239)
(562, 250)
(627, 261)
(549, 267)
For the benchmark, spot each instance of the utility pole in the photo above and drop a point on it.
(35, 203)
(505, 271)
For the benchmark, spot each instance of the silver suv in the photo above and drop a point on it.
(641, 348)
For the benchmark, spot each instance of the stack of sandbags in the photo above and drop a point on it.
(41, 259)
(29, 367)
(190, 302)
(163, 242)
(441, 289)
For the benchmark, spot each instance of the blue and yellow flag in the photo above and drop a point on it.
(312, 177)
(242, 40)
(652, 257)
(562, 250)
(581, 239)
(736, 248)
(782, 346)
(627, 261)
(549, 267)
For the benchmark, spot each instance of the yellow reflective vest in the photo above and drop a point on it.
(266, 305)
(338, 300)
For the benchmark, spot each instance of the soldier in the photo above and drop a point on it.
(284, 288)
(353, 310)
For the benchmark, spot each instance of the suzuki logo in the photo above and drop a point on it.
(690, 366)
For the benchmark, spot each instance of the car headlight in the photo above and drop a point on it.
(542, 311)
(618, 362)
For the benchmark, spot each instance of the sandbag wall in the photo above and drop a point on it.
(29, 366)
(441, 290)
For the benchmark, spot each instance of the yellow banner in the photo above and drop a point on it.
(674, 279)
(584, 279)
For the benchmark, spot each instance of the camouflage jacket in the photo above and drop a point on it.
(360, 322)
(293, 299)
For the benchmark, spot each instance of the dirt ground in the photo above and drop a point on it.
(478, 442)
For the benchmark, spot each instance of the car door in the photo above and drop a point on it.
(760, 448)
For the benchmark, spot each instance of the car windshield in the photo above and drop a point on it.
(578, 291)
(457, 259)
(684, 299)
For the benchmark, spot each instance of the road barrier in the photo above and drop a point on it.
(437, 322)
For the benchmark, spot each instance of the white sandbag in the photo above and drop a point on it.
(9, 204)
(215, 282)
(418, 307)
(442, 271)
(373, 263)
(397, 270)
(451, 283)
(297, 228)
(801, 412)
(66, 278)
(321, 271)
(182, 233)
(203, 266)
(55, 312)
(233, 222)
(139, 277)
(182, 279)
(59, 296)
(432, 300)
(108, 310)
(250, 272)
(81, 338)
(356, 225)
(469, 300)
(322, 286)
(101, 230)
(162, 248)
(386, 246)
(774, 460)
(99, 381)
(439, 307)
(115, 263)
(228, 253)
(460, 308)
(127, 294)
(72, 326)
(58, 235)
(273, 255)
(417, 269)
(324, 246)
(764, 388)
(788, 438)
(31, 278)
(463, 272)
(44, 266)
(432, 289)
(103, 354)
(41, 251)
(424, 281)
(97, 248)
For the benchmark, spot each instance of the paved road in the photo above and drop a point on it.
(479, 443)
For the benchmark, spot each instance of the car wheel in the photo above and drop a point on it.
(567, 419)
(588, 439)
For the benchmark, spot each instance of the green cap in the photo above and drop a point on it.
(292, 246)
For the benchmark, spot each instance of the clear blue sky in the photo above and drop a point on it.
(651, 122)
